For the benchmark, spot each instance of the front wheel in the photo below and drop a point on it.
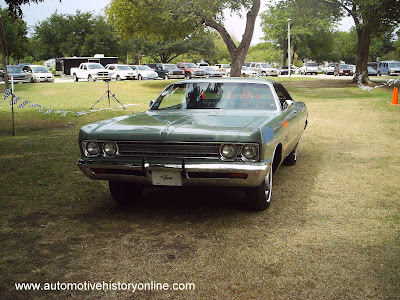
(75, 77)
(188, 76)
(166, 77)
(90, 78)
(259, 198)
(124, 192)
(291, 159)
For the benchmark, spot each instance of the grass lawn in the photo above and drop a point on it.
(331, 232)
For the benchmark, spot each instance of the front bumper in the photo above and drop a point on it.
(215, 174)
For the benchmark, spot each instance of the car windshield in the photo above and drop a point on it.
(169, 67)
(344, 66)
(40, 70)
(95, 66)
(190, 65)
(124, 68)
(266, 66)
(311, 64)
(14, 69)
(143, 68)
(216, 95)
(394, 65)
(208, 68)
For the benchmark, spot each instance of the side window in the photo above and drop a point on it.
(283, 95)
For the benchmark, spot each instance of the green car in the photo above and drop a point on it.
(221, 132)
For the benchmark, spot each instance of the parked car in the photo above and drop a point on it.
(191, 70)
(201, 132)
(144, 72)
(122, 72)
(167, 71)
(223, 67)
(91, 72)
(389, 68)
(264, 69)
(353, 67)
(15, 73)
(373, 65)
(329, 69)
(284, 70)
(38, 73)
(343, 69)
(372, 71)
(246, 72)
(309, 68)
(211, 72)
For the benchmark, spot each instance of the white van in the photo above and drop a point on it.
(389, 68)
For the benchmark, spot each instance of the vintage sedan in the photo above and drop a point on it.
(202, 132)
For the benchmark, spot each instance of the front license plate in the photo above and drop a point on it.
(166, 178)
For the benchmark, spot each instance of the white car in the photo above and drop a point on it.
(144, 72)
(329, 69)
(309, 68)
(246, 72)
(122, 72)
(39, 73)
(264, 69)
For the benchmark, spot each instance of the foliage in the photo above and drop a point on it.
(176, 19)
(82, 34)
(15, 31)
(371, 18)
(266, 52)
(312, 23)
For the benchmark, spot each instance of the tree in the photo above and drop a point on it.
(177, 19)
(312, 24)
(370, 18)
(82, 34)
(166, 51)
(15, 36)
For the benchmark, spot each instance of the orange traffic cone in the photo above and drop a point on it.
(395, 97)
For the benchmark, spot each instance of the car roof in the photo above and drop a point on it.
(230, 80)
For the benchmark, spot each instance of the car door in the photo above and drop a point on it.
(290, 122)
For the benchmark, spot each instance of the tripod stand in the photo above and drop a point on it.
(108, 93)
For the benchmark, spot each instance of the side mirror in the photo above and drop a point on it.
(151, 103)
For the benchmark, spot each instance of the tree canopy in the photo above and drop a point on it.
(177, 19)
(370, 18)
(81, 34)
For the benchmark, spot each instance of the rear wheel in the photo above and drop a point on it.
(259, 198)
(124, 192)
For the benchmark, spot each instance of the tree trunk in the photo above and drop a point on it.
(238, 53)
(285, 55)
(363, 43)
(3, 55)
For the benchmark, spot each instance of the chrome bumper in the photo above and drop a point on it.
(216, 174)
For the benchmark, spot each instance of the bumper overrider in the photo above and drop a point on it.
(191, 173)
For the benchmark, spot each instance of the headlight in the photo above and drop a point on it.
(250, 152)
(228, 151)
(110, 148)
(92, 148)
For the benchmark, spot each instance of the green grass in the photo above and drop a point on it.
(331, 232)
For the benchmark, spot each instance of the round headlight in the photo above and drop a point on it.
(110, 148)
(250, 152)
(92, 148)
(228, 151)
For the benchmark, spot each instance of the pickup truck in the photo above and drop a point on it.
(191, 70)
(91, 72)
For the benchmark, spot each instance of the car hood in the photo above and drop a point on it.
(178, 126)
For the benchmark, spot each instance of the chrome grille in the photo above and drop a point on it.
(179, 150)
